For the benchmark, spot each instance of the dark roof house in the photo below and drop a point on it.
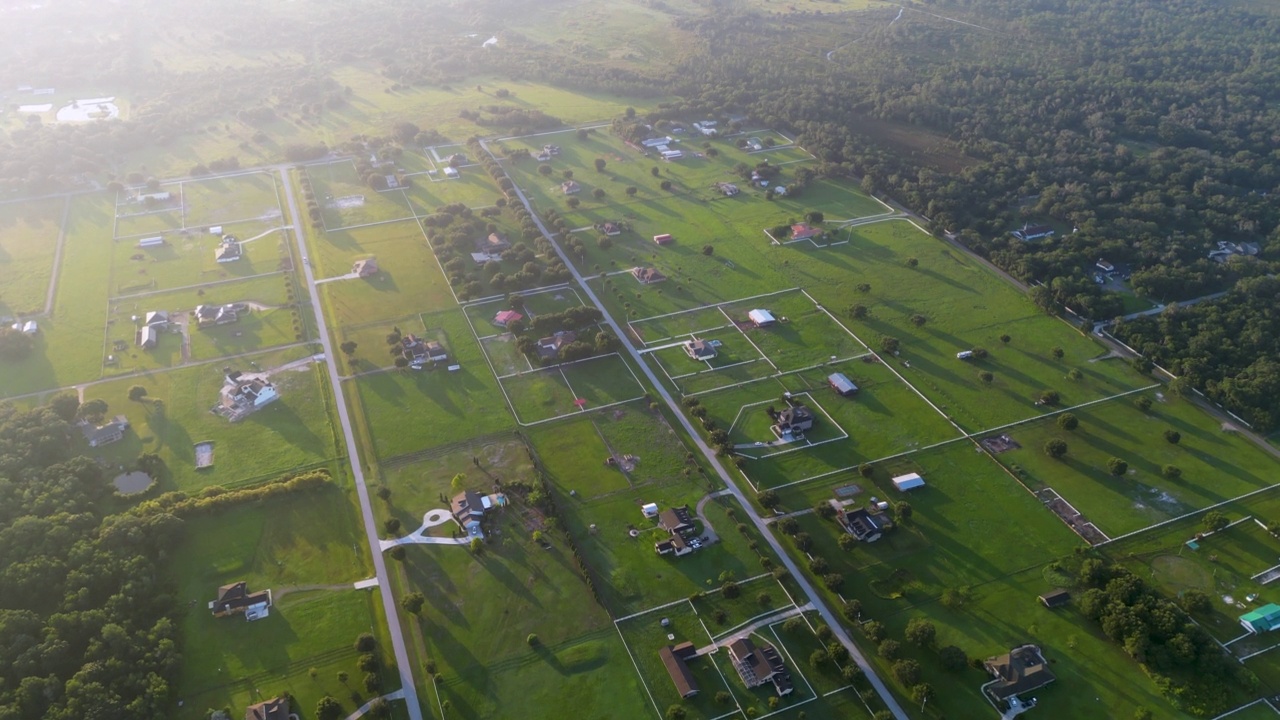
(757, 666)
(100, 435)
(1055, 598)
(647, 275)
(273, 709)
(699, 349)
(549, 347)
(676, 520)
(860, 524)
(236, 598)
(673, 658)
(794, 419)
(1021, 670)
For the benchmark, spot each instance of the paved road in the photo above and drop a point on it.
(805, 586)
(353, 453)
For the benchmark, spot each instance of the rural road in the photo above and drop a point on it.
(357, 473)
(827, 615)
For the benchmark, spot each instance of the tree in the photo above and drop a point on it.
(912, 262)
(93, 410)
(654, 171)
(921, 632)
(730, 589)
(397, 553)
(889, 344)
(477, 546)
(857, 311)
(907, 672)
(412, 603)
(952, 658)
(1171, 472)
(1075, 375)
(349, 348)
(986, 377)
(1215, 521)
(1050, 397)
(531, 640)
(598, 193)
(137, 392)
(372, 683)
(875, 631)
(922, 692)
(1055, 448)
(1005, 339)
(804, 541)
(545, 169)
(817, 658)
(343, 676)
(814, 216)
(329, 708)
(1117, 467)
(866, 470)
(954, 598)
(918, 320)
(573, 202)
(890, 649)
(675, 712)
(366, 642)
(632, 190)
(600, 164)
(768, 499)
(566, 174)
(65, 405)
(1173, 437)
(1057, 353)
(902, 511)
(708, 250)
(1196, 602)
(1143, 403)
(723, 698)
(1068, 421)
(665, 185)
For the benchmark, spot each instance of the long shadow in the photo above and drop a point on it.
(282, 419)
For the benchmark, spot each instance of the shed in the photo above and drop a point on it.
(30, 327)
(450, 172)
(761, 318)
(964, 354)
(910, 481)
(841, 384)
(215, 230)
(151, 242)
(650, 510)
(1264, 619)
(663, 239)
(1055, 598)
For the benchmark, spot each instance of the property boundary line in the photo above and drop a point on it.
(1193, 513)
(636, 665)
(711, 306)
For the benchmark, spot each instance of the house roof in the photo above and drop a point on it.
(761, 317)
(496, 241)
(1021, 670)
(842, 383)
(236, 595)
(679, 671)
(699, 348)
(795, 414)
(570, 186)
(860, 523)
(549, 347)
(1055, 598)
(801, 231)
(648, 275)
(675, 519)
(754, 664)
(156, 317)
(107, 432)
(507, 316)
(1266, 617)
(366, 267)
(466, 504)
(908, 481)
(227, 250)
(273, 709)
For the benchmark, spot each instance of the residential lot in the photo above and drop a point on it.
(28, 243)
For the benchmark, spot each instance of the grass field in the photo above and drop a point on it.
(187, 259)
(231, 201)
(300, 548)
(290, 433)
(28, 243)
(348, 202)
(554, 392)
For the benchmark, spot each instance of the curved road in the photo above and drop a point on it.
(353, 454)
(827, 615)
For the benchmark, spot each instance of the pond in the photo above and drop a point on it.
(132, 483)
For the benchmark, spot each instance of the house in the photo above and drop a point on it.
(1021, 670)
(676, 521)
(436, 352)
(155, 196)
(1031, 232)
(1055, 598)
(156, 319)
(236, 598)
(706, 127)
(673, 658)
(755, 144)
(100, 435)
(413, 349)
(861, 524)
(274, 709)
(392, 182)
(611, 229)
(672, 154)
(147, 337)
(759, 665)
(655, 142)
(215, 230)
(841, 384)
(793, 420)
(494, 244)
(663, 239)
(728, 189)
(151, 242)
(551, 149)
(228, 250)
(1227, 249)
(452, 173)
(569, 187)
(761, 318)
(365, 268)
(780, 191)
(506, 317)
(549, 347)
(244, 394)
(699, 349)
(456, 159)
(210, 315)
(910, 481)
(647, 275)
(804, 231)
(468, 509)
(674, 545)
(649, 510)
(1264, 619)
(1105, 266)
(543, 156)
(30, 327)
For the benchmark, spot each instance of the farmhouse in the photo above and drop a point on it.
(804, 231)
(755, 144)
(365, 268)
(761, 318)
(274, 709)
(100, 435)
(436, 352)
(673, 658)
(506, 317)
(543, 156)
(841, 384)
(242, 395)
(793, 420)
(549, 347)
(1226, 249)
(210, 315)
(1055, 598)
(569, 187)
(910, 481)
(156, 319)
(468, 508)
(228, 250)
(610, 229)
(679, 525)
(1264, 619)
(494, 244)
(699, 349)
(663, 239)
(236, 598)
(1031, 232)
(1021, 670)
(757, 666)
(861, 524)
(147, 337)
(1105, 266)
(551, 149)
(647, 275)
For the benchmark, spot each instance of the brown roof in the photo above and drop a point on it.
(236, 596)
(1055, 598)
(648, 275)
(273, 709)
(679, 671)
(1022, 670)
(675, 520)
(467, 503)
(752, 664)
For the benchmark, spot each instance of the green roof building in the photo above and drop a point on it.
(1263, 619)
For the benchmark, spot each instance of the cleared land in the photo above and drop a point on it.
(28, 243)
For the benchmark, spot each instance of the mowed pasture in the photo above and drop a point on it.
(28, 243)
(229, 201)
(482, 648)
(346, 201)
(188, 258)
(1215, 464)
(473, 187)
(290, 433)
(566, 389)
(301, 548)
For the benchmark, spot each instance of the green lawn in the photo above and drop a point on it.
(337, 183)
(28, 242)
(187, 259)
(292, 432)
(230, 201)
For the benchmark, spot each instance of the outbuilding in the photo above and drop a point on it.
(841, 384)
(761, 318)
(910, 481)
